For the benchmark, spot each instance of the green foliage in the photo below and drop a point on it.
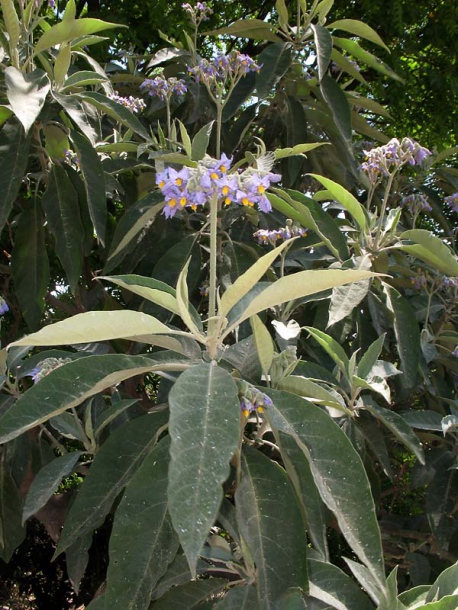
(233, 408)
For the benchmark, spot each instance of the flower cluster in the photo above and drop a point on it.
(416, 203)
(449, 282)
(452, 201)
(224, 68)
(194, 186)
(418, 281)
(266, 236)
(197, 14)
(3, 306)
(251, 399)
(384, 160)
(134, 104)
(164, 88)
(46, 366)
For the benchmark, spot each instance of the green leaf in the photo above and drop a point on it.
(205, 428)
(67, 31)
(370, 357)
(296, 286)
(398, 427)
(94, 182)
(26, 93)
(70, 384)
(239, 598)
(338, 104)
(344, 299)
(423, 420)
(12, 533)
(312, 391)
(298, 469)
(200, 142)
(431, 249)
(332, 348)
(407, 335)
(330, 585)
(47, 481)
(185, 138)
(143, 542)
(114, 465)
(190, 595)
(11, 23)
(349, 202)
(153, 290)
(83, 78)
(358, 28)
(78, 113)
(445, 584)
(247, 280)
(177, 574)
(352, 47)
(449, 602)
(248, 28)
(274, 60)
(30, 265)
(264, 344)
(441, 498)
(299, 149)
(182, 299)
(115, 110)
(76, 560)
(61, 207)
(323, 44)
(270, 522)
(332, 457)
(344, 64)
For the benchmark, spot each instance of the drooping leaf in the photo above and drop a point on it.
(67, 31)
(61, 207)
(14, 149)
(323, 45)
(431, 249)
(78, 113)
(26, 93)
(349, 202)
(332, 457)
(204, 427)
(47, 481)
(12, 532)
(353, 48)
(271, 523)
(94, 182)
(357, 28)
(143, 542)
(312, 391)
(332, 348)
(30, 265)
(274, 60)
(70, 384)
(114, 465)
(338, 104)
(76, 560)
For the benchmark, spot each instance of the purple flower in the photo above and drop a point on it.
(452, 201)
(383, 160)
(134, 104)
(3, 306)
(163, 88)
(265, 236)
(418, 281)
(416, 203)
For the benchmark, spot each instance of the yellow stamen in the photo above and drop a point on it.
(260, 410)
(247, 202)
(261, 189)
(223, 169)
(225, 190)
(227, 201)
(246, 413)
(214, 176)
(172, 203)
(178, 181)
(161, 184)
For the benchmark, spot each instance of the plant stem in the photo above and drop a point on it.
(213, 263)
(383, 210)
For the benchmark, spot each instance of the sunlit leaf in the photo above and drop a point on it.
(349, 202)
(323, 44)
(26, 93)
(358, 28)
(66, 31)
(248, 28)
(431, 249)
(329, 584)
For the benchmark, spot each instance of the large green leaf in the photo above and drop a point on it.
(205, 429)
(60, 204)
(349, 202)
(431, 249)
(11, 22)
(12, 532)
(338, 472)
(248, 28)
(79, 114)
(190, 595)
(296, 286)
(200, 142)
(26, 93)
(46, 482)
(358, 28)
(30, 265)
(323, 44)
(94, 182)
(143, 542)
(352, 47)
(14, 148)
(445, 584)
(239, 598)
(114, 465)
(68, 30)
(270, 522)
(70, 384)
(344, 299)
(274, 60)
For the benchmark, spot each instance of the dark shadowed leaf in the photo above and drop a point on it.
(205, 429)
(323, 44)
(177, 573)
(76, 559)
(248, 28)
(329, 584)
(271, 523)
(340, 109)
(274, 60)
(239, 598)
(189, 595)
(143, 542)
(12, 532)
(441, 497)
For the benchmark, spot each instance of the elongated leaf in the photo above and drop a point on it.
(30, 265)
(407, 335)
(344, 299)
(340, 109)
(60, 204)
(177, 574)
(204, 427)
(429, 248)
(200, 142)
(182, 299)
(143, 542)
(332, 457)
(82, 78)
(66, 31)
(311, 390)
(264, 344)
(26, 93)
(358, 28)
(115, 110)
(248, 28)
(114, 465)
(155, 291)
(445, 584)
(329, 584)
(441, 498)
(274, 60)
(11, 21)
(14, 149)
(299, 472)
(271, 523)
(398, 427)
(349, 202)
(76, 560)
(239, 598)
(423, 420)
(47, 481)
(345, 65)
(352, 47)
(298, 149)
(70, 384)
(296, 286)
(190, 595)
(370, 357)
(245, 282)
(78, 113)
(12, 532)
(94, 182)
(323, 44)
(332, 347)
